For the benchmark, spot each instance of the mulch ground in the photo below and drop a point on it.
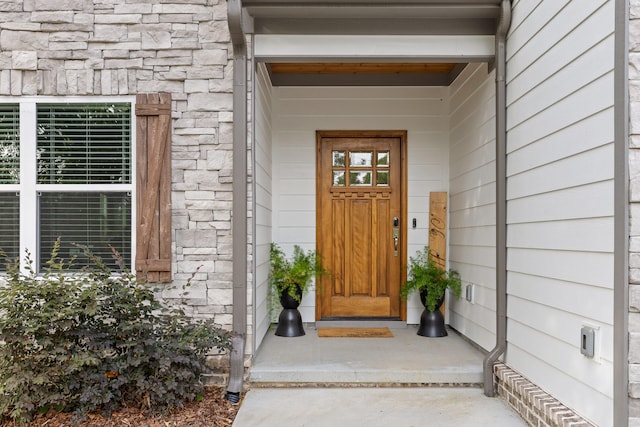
(212, 411)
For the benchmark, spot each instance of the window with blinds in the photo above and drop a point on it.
(9, 143)
(88, 145)
(81, 188)
(84, 143)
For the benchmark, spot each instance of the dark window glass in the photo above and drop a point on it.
(96, 220)
(10, 224)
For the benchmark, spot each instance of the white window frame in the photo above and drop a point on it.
(28, 188)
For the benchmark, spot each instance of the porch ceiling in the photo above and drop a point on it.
(363, 74)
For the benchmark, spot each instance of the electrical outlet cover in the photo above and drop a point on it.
(587, 341)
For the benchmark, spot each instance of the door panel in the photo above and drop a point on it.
(360, 191)
(358, 238)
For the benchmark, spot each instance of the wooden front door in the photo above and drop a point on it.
(361, 222)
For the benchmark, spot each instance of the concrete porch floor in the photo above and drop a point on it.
(406, 359)
(407, 380)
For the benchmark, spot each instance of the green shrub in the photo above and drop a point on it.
(90, 341)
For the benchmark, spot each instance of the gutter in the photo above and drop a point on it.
(239, 206)
(501, 200)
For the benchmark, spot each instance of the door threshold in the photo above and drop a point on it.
(361, 323)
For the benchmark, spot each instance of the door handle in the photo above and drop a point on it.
(396, 235)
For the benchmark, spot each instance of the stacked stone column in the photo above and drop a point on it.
(93, 48)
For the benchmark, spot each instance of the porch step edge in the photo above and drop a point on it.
(258, 384)
(337, 376)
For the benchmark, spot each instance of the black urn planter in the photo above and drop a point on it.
(290, 320)
(432, 322)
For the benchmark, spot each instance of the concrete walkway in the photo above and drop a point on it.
(373, 407)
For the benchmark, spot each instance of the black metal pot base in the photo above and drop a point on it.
(290, 323)
(432, 324)
(290, 320)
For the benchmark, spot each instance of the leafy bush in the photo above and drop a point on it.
(90, 341)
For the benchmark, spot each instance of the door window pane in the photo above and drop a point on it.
(338, 178)
(96, 220)
(382, 178)
(360, 159)
(360, 178)
(9, 143)
(383, 159)
(10, 224)
(84, 143)
(338, 158)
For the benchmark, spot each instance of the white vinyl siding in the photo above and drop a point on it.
(472, 208)
(299, 112)
(263, 202)
(560, 199)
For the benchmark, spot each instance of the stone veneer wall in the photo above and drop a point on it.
(123, 47)
(634, 213)
(534, 405)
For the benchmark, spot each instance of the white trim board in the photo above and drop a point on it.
(274, 47)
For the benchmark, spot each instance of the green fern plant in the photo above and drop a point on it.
(290, 275)
(427, 276)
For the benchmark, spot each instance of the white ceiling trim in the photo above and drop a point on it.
(361, 48)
